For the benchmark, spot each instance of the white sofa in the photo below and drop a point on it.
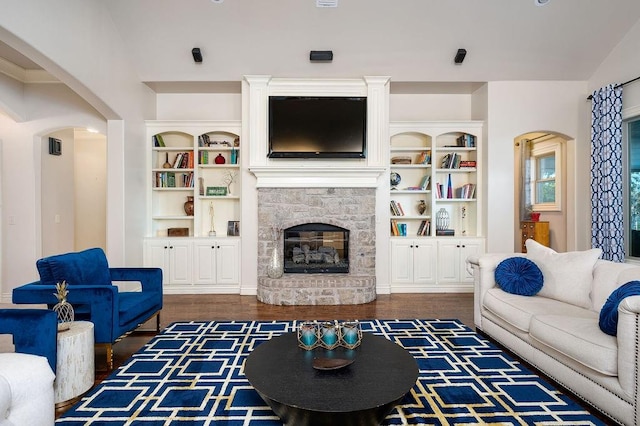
(26, 390)
(559, 333)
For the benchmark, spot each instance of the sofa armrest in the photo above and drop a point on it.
(101, 299)
(34, 331)
(628, 344)
(484, 267)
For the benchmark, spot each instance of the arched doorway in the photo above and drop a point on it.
(542, 165)
(73, 191)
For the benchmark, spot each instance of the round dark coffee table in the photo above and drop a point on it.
(363, 393)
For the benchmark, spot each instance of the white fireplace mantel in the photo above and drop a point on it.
(317, 177)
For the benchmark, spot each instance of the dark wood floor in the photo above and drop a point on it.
(225, 307)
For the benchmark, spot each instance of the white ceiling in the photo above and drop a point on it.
(409, 40)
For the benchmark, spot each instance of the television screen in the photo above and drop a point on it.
(317, 127)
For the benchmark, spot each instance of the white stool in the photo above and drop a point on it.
(75, 366)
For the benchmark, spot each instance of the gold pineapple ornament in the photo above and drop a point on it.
(63, 309)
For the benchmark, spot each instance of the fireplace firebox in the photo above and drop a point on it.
(316, 248)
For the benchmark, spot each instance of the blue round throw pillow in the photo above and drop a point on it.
(609, 312)
(519, 275)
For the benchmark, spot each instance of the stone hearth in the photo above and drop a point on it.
(350, 208)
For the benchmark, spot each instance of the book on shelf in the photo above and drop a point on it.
(203, 157)
(424, 228)
(203, 140)
(466, 140)
(424, 157)
(394, 228)
(158, 141)
(467, 164)
(234, 156)
(466, 191)
(396, 208)
(424, 183)
(445, 232)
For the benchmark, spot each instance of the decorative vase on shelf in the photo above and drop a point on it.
(220, 159)
(422, 207)
(63, 309)
(275, 268)
(442, 219)
(188, 206)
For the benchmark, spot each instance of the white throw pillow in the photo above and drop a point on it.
(567, 276)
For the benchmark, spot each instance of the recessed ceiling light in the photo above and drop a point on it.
(541, 2)
(326, 3)
(217, 1)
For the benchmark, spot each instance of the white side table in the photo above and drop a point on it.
(75, 366)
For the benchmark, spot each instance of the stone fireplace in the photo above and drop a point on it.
(331, 210)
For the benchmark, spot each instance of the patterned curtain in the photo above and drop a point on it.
(607, 224)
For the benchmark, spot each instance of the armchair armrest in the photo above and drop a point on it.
(101, 299)
(34, 331)
(149, 278)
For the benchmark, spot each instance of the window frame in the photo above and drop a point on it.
(539, 150)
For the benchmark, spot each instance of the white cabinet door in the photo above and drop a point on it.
(424, 261)
(228, 262)
(179, 262)
(204, 262)
(156, 255)
(216, 261)
(448, 261)
(469, 248)
(401, 261)
(452, 256)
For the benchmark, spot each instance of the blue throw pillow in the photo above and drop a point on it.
(519, 275)
(609, 312)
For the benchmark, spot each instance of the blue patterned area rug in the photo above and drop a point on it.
(192, 374)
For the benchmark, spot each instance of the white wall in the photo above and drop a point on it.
(424, 107)
(515, 108)
(57, 195)
(90, 179)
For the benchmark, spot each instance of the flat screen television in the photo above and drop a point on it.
(317, 127)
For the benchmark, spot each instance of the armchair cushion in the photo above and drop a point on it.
(88, 267)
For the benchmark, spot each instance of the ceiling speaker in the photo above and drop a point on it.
(197, 56)
(460, 56)
(321, 56)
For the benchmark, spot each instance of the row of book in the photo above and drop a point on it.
(424, 184)
(466, 140)
(400, 229)
(396, 208)
(454, 161)
(466, 191)
(158, 141)
(183, 160)
(169, 180)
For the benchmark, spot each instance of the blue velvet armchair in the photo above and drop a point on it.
(34, 332)
(93, 295)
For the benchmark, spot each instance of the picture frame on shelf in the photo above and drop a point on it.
(216, 191)
(233, 228)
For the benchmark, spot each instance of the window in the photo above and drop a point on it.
(633, 187)
(546, 160)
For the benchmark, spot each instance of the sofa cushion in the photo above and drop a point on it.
(609, 314)
(567, 276)
(578, 338)
(519, 275)
(84, 267)
(518, 310)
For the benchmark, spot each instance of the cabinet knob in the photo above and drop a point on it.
(165, 247)
(218, 247)
(416, 246)
(171, 247)
(411, 246)
(458, 245)
(531, 226)
(464, 246)
(213, 247)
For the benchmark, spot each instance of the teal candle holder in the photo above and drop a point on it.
(329, 338)
(308, 336)
(350, 334)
